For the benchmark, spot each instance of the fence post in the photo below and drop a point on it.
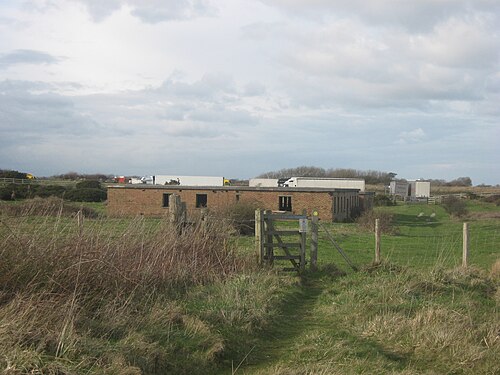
(174, 204)
(259, 238)
(377, 241)
(314, 241)
(465, 250)
(177, 211)
(79, 219)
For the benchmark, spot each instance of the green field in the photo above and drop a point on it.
(419, 240)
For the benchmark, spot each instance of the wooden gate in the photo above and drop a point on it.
(270, 241)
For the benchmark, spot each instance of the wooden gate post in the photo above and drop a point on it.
(465, 249)
(268, 227)
(314, 241)
(303, 241)
(377, 241)
(259, 235)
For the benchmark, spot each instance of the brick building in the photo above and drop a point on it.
(152, 200)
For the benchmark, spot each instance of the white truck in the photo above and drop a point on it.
(327, 183)
(185, 180)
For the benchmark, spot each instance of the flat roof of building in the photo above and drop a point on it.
(234, 188)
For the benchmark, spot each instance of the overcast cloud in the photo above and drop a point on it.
(236, 88)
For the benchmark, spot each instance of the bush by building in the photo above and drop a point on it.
(454, 206)
(383, 200)
(89, 184)
(15, 191)
(86, 195)
(45, 191)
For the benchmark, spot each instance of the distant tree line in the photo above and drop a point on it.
(74, 176)
(461, 181)
(12, 174)
(371, 177)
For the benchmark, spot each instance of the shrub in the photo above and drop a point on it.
(242, 216)
(45, 191)
(383, 200)
(367, 221)
(20, 191)
(89, 184)
(6, 193)
(454, 206)
(12, 174)
(492, 199)
(86, 195)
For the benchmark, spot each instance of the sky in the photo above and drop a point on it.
(236, 88)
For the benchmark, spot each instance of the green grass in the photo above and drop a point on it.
(415, 313)
(419, 241)
(384, 320)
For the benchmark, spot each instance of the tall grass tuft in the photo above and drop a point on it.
(86, 296)
(61, 258)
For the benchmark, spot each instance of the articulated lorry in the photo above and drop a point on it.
(327, 183)
(185, 180)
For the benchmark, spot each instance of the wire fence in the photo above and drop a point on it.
(414, 244)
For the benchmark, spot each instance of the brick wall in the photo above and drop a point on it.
(132, 201)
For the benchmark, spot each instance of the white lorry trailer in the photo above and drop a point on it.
(263, 182)
(332, 183)
(185, 180)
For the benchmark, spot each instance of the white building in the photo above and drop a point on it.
(411, 189)
(419, 189)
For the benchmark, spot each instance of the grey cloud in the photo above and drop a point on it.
(218, 114)
(209, 86)
(99, 10)
(351, 65)
(41, 116)
(126, 133)
(159, 10)
(26, 56)
(254, 89)
(416, 16)
(149, 11)
(173, 109)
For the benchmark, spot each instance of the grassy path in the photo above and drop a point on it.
(307, 339)
(297, 318)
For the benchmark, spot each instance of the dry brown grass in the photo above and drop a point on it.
(53, 258)
(74, 297)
